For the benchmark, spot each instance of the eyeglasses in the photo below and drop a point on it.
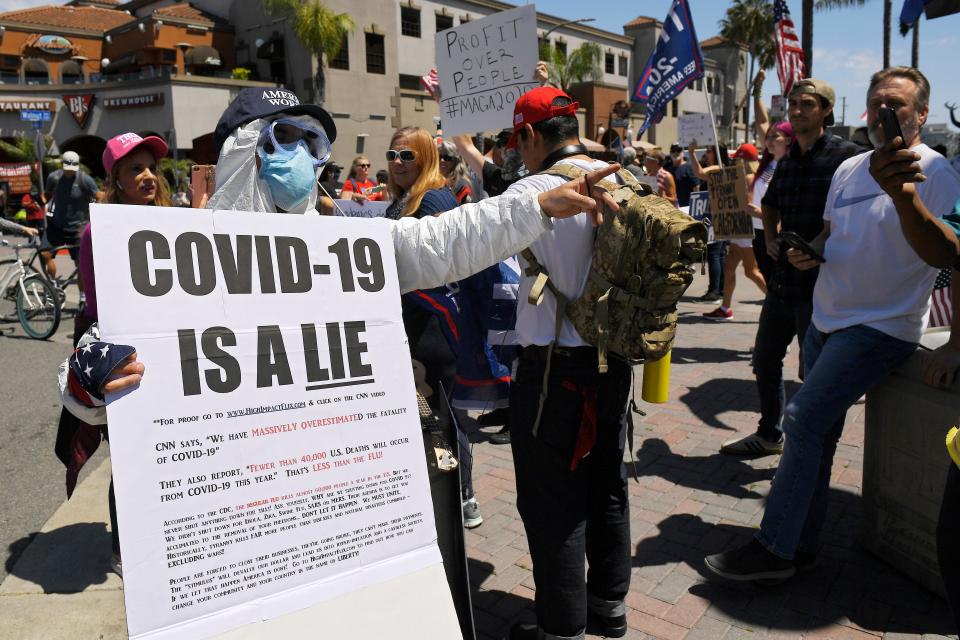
(284, 136)
(447, 158)
(364, 166)
(406, 155)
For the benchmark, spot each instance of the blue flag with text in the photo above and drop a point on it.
(676, 62)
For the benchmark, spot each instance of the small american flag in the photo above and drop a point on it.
(941, 311)
(91, 366)
(789, 52)
(431, 83)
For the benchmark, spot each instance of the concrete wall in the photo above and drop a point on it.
(905, 467)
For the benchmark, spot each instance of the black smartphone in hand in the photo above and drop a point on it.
(891, 126)
(794, 241)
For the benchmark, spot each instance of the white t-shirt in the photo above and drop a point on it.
(872, 276)
(565, 252)
(760, 186)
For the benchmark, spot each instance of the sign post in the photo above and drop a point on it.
(270, 467)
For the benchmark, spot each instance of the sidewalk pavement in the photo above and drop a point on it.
(690, 501)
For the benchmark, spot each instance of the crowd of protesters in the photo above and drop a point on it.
(880, 225)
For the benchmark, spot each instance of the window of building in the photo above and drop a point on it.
(623, 66)
(71, 73)
(410, 82)
(444, 22)
(376, 58)
(675, 108)
(561, 47)
(709, 84)
(699, 84)
(608, 63)
(342, 59)
(35, 71)
(418, 103)
(464, 19)
(746, 116)
(410, 22)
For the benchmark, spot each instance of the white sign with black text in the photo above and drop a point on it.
(484, 66)
(696, 128)
(271, 460)
(365, 209)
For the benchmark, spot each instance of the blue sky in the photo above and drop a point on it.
(848, 43)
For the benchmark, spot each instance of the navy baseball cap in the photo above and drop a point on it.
(259, 102)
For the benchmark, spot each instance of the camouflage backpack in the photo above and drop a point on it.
(640, 268)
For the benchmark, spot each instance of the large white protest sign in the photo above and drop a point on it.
(271, 460)
(484, 66)
(696, 128)
(366, 209)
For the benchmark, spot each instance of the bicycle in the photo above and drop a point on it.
(60, 283)
(35, 301)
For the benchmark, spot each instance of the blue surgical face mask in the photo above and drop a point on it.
(290, 176)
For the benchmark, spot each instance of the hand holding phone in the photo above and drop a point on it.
(891, 126)
(795, 241)
(894, 166)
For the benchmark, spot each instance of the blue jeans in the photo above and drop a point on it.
(840, 368)
(780, 321)
(716, 251)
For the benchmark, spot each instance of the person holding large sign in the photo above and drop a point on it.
(270, 141)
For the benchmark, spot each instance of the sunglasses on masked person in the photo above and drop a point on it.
(285, 136)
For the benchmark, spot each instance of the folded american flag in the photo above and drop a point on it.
(941, 311)
(91, 366)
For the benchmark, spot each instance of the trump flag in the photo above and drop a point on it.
(676, 62)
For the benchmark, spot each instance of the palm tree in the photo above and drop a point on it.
(750, 23)
(581, 63)
(806, 37)
(320, 30)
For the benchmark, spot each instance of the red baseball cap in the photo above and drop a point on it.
(747, 152)
(121, 145)
(534, 106)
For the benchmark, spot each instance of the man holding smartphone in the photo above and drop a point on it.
(794, 202)
(884, 242)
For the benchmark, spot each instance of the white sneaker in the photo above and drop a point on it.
(752, 445)
(471, 514)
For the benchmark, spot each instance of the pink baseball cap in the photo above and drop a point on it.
(121, 145)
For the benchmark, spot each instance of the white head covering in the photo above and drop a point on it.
(239, 186)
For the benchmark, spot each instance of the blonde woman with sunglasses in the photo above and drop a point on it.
(358, 184)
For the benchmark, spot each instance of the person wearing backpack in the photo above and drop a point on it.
(568, 420)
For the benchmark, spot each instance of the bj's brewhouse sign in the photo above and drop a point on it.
(133, 102)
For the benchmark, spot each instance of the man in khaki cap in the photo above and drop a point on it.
(795, 201)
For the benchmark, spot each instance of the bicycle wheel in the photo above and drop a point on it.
(9, 286)
(38, 308)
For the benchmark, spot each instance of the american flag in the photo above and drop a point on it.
(941, 310)
(789, 52)
(91, 366)
(431, 83)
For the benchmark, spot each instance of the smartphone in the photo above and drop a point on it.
(794, 241)
(891, 126)
(203, 182)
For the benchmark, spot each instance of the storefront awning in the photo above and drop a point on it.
(203, 55)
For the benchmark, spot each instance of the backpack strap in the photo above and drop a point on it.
(542, 282)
